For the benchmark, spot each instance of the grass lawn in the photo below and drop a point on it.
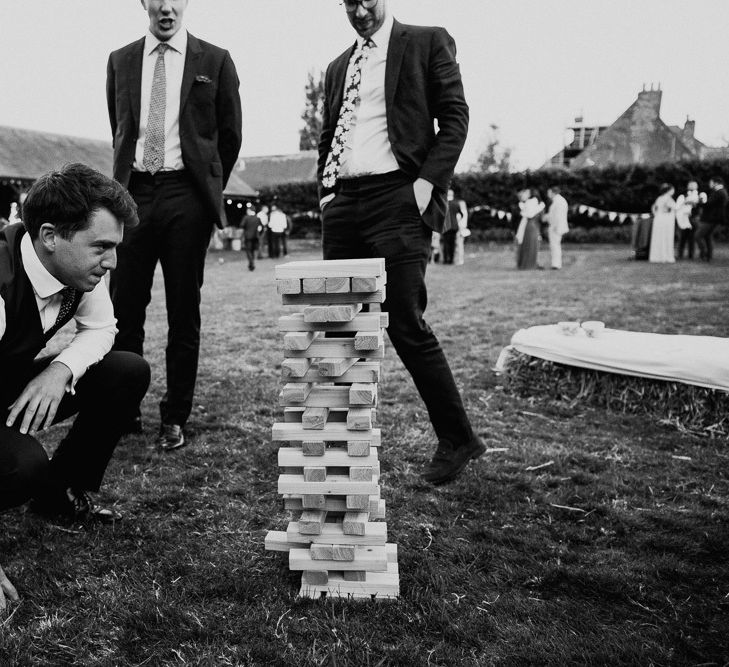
(493, 569)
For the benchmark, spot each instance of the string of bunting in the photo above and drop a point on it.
(582, 209)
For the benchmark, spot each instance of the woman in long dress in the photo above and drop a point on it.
(527, 235)
(664, 226)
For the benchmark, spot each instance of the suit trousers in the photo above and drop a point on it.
(555, 248)
(704, 239)
(377, 216)
(105, 398)
(174, 229)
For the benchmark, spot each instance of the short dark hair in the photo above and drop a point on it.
(717, 179)
(665, 187)
(67, 198)
(555, 189)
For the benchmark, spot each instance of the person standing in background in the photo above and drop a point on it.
(558, 225)
(688, 209)
(252, 229)
(664, 226)
(277, 226)
(713, 214)
(175, 117)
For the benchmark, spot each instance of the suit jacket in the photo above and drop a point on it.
(715, 212)
(422, 84)
(210, 116)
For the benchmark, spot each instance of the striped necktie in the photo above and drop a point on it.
(345, 121)
(154, 140)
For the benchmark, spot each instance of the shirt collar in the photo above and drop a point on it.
(382, 37)
(178, 42)
(44, 284)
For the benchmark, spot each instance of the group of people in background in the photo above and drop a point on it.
(694, 215)
(265, 228)
(533, 212)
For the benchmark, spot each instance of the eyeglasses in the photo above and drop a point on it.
(351, 5)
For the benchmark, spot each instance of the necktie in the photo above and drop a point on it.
(346, 116)
(68, 299)
(154, 140)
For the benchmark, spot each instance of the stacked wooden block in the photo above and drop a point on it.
(329, 463)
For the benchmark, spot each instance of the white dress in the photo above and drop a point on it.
(662, 233)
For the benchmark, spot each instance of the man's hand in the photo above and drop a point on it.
(7, 591)
(40, 398)
(423, 191)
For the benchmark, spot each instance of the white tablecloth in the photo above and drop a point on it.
(697, 360)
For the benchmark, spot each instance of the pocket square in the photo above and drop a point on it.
(202, 78)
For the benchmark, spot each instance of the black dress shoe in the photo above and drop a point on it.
(448, 462)
(72, 505)
(170, 437)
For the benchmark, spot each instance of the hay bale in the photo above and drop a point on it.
(688, 408)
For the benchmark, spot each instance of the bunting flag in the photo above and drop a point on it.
(582, 209)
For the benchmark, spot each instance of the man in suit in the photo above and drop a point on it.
(52, 269)
(713, 214)
(383, 176)
(558, 225)
(175, 118)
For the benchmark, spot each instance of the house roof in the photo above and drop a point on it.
(271, 170)
(27, 154)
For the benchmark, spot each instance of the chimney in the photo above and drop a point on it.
(689, 128)
(649, 103)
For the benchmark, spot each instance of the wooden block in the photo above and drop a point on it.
(310, 522)
(317, 474)
(363, 393)
(385, 585)
(367, 283)
(299, 340)
(334, 367)
(361, 371)
(294, 392)
(276, 540)
(334, 485)
(377, 509)
(338, 504)
(337, 552)
(314, 501)
(320, 299)
(294, 368)
(323, 396)
(367, 558)
(289, 286)
(355, 523)
(315, 578)
(337, 285)
(312, 448)
(314, 418)
(326, 312)
(354, 575)
(331, 457)
(332, 432)
(335, 347)
(294, 414)
(372, 321)
(313, 285)
(358, 502)
(330, 268)
(359, 419)
(374, 533)
(359, 473)
(358, 448)
(368, 340)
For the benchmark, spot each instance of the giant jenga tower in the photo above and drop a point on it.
(329, 464)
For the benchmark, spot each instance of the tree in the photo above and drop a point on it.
(495, 157)
(312, 114)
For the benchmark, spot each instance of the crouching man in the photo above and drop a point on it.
(52, 269)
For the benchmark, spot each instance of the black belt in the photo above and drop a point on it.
(354, 183)
(145, 178)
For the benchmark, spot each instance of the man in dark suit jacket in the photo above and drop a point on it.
(175, 118)
(713, 215)
(383, 175)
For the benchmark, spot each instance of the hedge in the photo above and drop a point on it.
(625, 189)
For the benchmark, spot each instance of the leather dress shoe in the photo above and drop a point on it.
(73, 505)
(170, 437)
(448, 461)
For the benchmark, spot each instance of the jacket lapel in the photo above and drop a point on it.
(395, 53)
(194, 52)
(134, 72)
(340, 75)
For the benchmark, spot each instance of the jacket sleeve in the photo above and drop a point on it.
(449, 107)
(111, 96)
(229, 116)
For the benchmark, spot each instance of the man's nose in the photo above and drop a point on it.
(361, 12)
(109, 261)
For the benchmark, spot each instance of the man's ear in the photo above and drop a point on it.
(47, 236)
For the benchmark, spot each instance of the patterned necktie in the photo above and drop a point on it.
(154, 140)
(346, 116)
(69, 296)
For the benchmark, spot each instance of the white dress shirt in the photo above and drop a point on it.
(277, 222)
(174, 67)
(557, 215)
(368, 150)
(95, 321)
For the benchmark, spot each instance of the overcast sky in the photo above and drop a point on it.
(529, 66)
